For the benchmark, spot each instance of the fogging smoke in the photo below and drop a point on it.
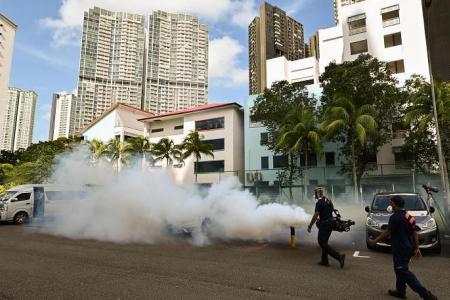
(148, 206)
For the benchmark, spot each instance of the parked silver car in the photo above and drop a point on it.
(378, 219)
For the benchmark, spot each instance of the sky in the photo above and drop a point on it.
(47, 44)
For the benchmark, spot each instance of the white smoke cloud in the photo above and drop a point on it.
(224, 66)
(67, 25)
(148, 206)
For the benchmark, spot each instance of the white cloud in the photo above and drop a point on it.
(67, 25)
(224, 66)
(43, 55)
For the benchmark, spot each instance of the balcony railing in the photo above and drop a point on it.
(357, 30)
(391, 22)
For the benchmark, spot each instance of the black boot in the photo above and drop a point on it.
(397, 294)
(429, 296)
(342, 260)
(323, 263)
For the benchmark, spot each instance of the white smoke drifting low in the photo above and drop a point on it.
(138, 206)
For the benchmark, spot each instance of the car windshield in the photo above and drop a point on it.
(412, 202)
(7, 195)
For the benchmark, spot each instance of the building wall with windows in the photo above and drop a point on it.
(19, 120)
(220, 125)
(305, 70)
(62, 118)
(7, 35)
(177, 63)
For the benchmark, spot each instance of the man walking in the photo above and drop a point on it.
(405, 244)
(324, 217)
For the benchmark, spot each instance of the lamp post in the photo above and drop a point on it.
(442, 165)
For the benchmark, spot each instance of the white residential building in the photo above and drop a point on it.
(111, 63)
(177, 63)
(7, 34)
(62, 118)
(19, 120)
(119, 121)
(220, 125)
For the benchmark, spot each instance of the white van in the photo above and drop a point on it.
(19, 204)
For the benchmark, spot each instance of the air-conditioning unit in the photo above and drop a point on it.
(258, 176)
(250, 177)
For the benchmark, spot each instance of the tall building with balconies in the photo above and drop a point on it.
(272, 34)
(19, 120)
(7, 34)
(62, 118)
(111, 63)
(177, 63)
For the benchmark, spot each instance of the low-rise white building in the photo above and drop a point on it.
(220, 124)
(119, 121)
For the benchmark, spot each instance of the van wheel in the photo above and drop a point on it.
(20, 218)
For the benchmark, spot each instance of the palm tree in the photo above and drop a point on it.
(166, 150)
(193, 145)
(300, 133)
(98, 149)
(141, 145)
(355, 121)
(119, 153)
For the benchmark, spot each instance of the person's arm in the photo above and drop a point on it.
(313, 220)
(416, 244)
(381, 237)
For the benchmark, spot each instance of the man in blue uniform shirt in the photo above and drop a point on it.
(405, 244)
(324, 217)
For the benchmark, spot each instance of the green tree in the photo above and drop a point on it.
(342, 116)
(364, 81)
(165, 149)
(142, 146)
(119, 153)
(98, 149)
(300, 134)
(194, 146)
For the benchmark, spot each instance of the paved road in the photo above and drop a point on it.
(37, 266)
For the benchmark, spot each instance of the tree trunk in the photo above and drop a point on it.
(291, 176)
(144, 161)
(354, 176)
(196, 173)
(305, 175)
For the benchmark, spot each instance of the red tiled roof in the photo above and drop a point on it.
(113, 107)
(192, 109)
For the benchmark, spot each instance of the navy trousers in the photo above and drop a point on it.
(323, 237)
(406, 277)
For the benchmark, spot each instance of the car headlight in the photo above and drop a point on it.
(431, 223)
(372, 223)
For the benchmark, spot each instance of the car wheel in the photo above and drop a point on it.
(20, 218)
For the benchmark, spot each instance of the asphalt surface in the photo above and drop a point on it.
(39, 266)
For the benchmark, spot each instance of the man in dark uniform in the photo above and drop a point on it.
(405, 244)
(324, 217)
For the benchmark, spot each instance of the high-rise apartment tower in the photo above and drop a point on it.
(111, 63)
(19, 120)
(7, 34)
(177, 63)
(62, 116)
(272, 34)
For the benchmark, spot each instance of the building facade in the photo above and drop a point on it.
(19, 120)
(62, 118)
(220, 125)
(177, 63)
(111, 63)
(7, 34)
(272, 34)
(120, 121)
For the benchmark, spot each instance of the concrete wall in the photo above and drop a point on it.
(103, 130)
(280, 68)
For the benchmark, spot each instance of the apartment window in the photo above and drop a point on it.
(358, 47)
(210, 124)
(330, 159)
(280, 162)
(390, 15)
(264, 162)
(217, 144)
(312, 160)
(264, 139)
(178, 127)
(396, 67)
(210, 166)
(357, 24)
(157, 130)
(254, 123)
(392, 40)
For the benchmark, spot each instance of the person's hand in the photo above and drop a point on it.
(372, 243)
(309, 229)
(417, 253)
